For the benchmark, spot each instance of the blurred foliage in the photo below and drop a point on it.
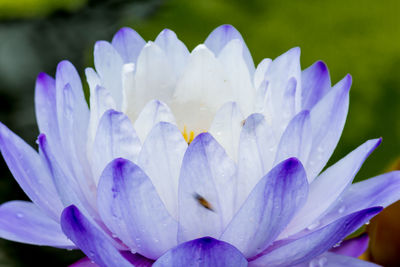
(11, 9)
(359, 37)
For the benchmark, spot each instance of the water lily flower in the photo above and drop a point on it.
(191, 159)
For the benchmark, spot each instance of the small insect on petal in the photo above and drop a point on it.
(202, 201)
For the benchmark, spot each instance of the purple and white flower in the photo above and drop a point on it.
(192, 159)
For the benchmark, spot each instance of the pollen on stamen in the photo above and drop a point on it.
(188, 136)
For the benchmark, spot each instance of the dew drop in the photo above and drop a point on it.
(133, 251)
(114, 235)
(313, 226)
(313, 263)
(322, 261)
(20, 215)
(337, 244)
(367, 223)
(342, 209)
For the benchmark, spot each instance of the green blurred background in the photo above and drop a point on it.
(360, 37)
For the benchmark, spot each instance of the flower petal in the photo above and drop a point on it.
(100, 101)
(294, 251)
(327, 120)
(46, 106)
(226, 128)
(206, 189)
(154, 112)
(237, 72)
(73, 130)
(259, 74)
(201, 90)
(23, 221)
(90, 239)
(330, 259)
(128, 43)
(268, 209)
(296, 140)
(281, 70)
(353, 247)
(67, 187)
(108, 65)
(131, 208)
(222, 35)
(161, 159)
(205, 252)
(382, 190)
(257, 148)
(115, 138)
(316, 83)
(176, 51)
(84, 262)
(67, 74)
(30, 173)
(329, 186)
(154, 79)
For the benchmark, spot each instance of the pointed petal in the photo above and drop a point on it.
(154, 78)
(90, 239)
(29, 171)
(74, 132)
(93, 80)
(330, 259)
(161, 159)
(353, 247)
(131, 208)
(46, 106)
(108, 65)
(327, 121)
(222, 35)
(268, 209)
(259, 74)
(128, 43)
(67, 74)
(154, 112)
(205, 252)
(382, 190)
(329, 186)
(236, 71)
(226, 128)
(207, 176)
(67, 188)
(175, 50)
(201, 90)
(100, 101)
(281, 70)
(294, 251)
(296, 140)
(315, 82)
(257, 148)
(24, 222)
(115, 138)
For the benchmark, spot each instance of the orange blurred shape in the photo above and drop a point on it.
(384, 234)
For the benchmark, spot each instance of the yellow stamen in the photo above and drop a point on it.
(188, 136)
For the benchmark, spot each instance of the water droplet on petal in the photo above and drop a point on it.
(342, 209)
(20, 215)
(322, 261)
(313, 226)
